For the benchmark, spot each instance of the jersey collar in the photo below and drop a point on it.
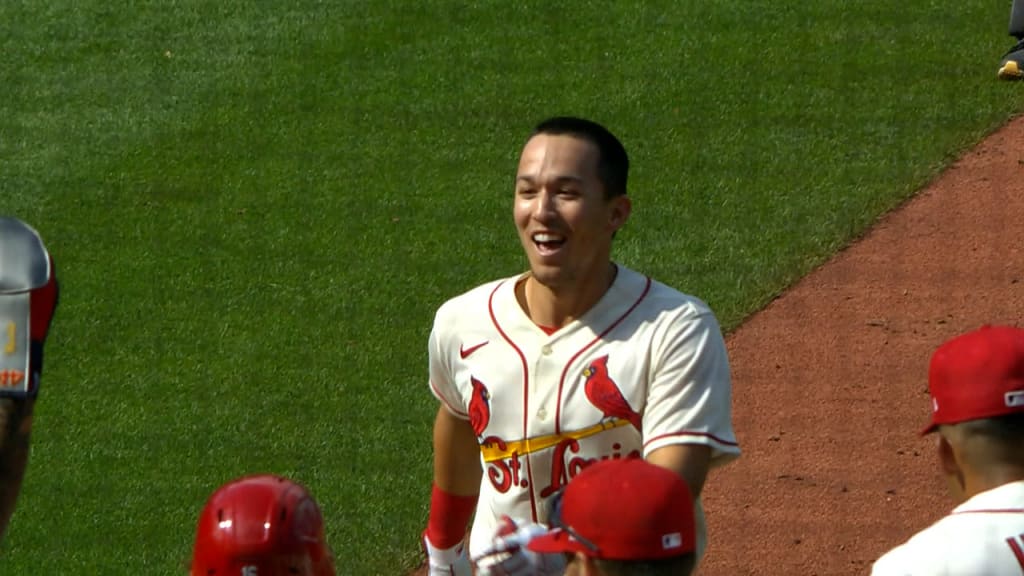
(1006, 498)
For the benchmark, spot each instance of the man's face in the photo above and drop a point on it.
(565, 223)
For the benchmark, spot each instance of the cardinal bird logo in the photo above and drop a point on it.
(605, 395)
(479, 407)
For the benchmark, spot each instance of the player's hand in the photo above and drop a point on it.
(508, 555)
(447, 562)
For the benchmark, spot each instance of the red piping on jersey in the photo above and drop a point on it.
(701, 434)
(453, 409)
(526, 389)
(995, 511)
(1017, 551)
(565, 371)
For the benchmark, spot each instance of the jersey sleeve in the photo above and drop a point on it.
(442, 384)
(891, 564)
(689, 397)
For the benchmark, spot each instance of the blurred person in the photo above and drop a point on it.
(623, 517)
(28, 300)
(1011, 67)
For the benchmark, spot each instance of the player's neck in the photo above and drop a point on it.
(977, 482)
(556, 306)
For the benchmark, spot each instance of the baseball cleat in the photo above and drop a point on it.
(1012, 65)
(1010, 70)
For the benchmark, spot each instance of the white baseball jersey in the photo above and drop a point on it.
(646, 367)
(984, 535)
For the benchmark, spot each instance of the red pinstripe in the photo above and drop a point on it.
(565, 371)
(1015, 546)
(993, 511)
(687, 433)
(526, 390)
(450, 407)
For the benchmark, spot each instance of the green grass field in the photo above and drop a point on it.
(255, 211)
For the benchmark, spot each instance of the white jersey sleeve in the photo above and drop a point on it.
(890, 565)
(690, 392)
(442, 382)
(984, 535)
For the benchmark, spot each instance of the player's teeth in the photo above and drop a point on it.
(546, 238)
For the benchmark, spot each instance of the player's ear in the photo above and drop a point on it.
(947, 457)
(621, 207)
(950, 466)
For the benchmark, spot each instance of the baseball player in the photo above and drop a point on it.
(577, 360)
(616, 518)
(1011, 67)
(28, 300)
(261, 525)
(976, 382)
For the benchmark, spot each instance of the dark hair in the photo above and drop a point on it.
(1007, 430)
(675, 566)
(612, 163)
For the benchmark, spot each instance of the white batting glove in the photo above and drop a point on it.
(508, 555)
(448, 561)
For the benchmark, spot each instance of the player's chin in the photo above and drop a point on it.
(548, 275)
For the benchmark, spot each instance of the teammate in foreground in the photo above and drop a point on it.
(261, 525)
(28, 299)
(577, 360)
(616, 518)
(1011, 67)
(977, 387)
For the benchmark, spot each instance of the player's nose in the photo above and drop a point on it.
(544, 206)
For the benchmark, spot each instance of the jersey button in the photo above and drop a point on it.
(542, 414)
(546, 350)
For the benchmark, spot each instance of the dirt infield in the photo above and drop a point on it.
(830, 379)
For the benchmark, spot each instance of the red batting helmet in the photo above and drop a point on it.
(261, 526)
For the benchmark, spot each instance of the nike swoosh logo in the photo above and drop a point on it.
(465, 352)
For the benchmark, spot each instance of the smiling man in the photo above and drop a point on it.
(577, 360)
